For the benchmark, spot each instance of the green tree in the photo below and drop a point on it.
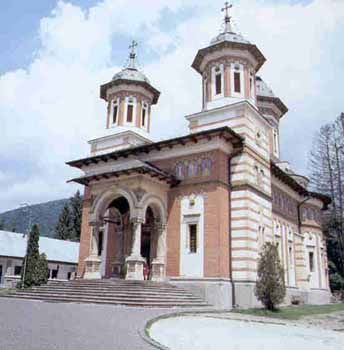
(63, 229)
(31, 258)
(42, 270)
(326, 164)
(76, 213)
(2, 224)
(270, 287)
(14, 225)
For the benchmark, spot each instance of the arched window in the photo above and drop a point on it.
(218, 81)
(114, 111)
(144, 115)
(130, 110)
(180, 170)
(252, 87)
(206, 166)
(192, 168)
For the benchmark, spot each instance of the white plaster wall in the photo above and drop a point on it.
(8, 265)
(191, 264)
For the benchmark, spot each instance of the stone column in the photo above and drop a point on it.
(134, 262)
(159, 263)
(93, 261)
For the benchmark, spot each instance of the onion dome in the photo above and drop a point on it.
(131, 75)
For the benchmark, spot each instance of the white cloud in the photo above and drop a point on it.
(54, 106)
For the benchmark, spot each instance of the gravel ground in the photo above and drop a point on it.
(32, 325)
(241, 333)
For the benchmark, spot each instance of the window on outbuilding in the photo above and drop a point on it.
(17, 270)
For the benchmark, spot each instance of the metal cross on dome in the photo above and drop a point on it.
(132, 56)
(227, 8)
(132, 46)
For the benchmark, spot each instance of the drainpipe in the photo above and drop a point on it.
(235, 153)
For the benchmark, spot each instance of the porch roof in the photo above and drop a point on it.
(225, 132)
(128, 168)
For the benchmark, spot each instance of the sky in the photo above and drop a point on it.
(55, 54)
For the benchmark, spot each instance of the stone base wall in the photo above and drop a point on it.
(216, 291)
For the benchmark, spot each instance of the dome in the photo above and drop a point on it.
(131, 74)
(229, 36)
(263, 89)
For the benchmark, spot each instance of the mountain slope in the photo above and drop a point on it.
(44, 214)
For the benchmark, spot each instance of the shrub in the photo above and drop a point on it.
(270, 288)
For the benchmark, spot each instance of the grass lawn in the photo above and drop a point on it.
(294, 312)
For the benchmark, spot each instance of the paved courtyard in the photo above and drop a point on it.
(215, 332)
(32, 325)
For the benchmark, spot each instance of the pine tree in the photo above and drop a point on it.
(326, 163)
(76, 213)
(31, 258)
(42, 270)
(63, 228)
(270, 287)
(2, 224)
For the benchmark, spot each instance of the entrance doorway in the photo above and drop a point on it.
(0, 274)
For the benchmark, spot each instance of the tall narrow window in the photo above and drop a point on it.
(275, 142)
(237, 83)
(290, 256)
(114, 111)
(144, 114)
(193, 238)
(311, 261)
(252, 85)
(130, 110)
(218, 82)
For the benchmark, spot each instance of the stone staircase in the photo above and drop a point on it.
(112, 292)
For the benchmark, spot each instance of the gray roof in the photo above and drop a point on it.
(131, 74)
(263, 89)
(228, 34)
(14, 245)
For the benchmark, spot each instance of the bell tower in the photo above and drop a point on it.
(228, 67)
(130, 97)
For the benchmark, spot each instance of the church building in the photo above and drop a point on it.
(196, 210)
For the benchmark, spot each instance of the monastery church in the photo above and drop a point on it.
(196, 210)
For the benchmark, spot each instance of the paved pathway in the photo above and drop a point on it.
(32, 325)
(203, 332)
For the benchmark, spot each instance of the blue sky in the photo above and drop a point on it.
(54, 56)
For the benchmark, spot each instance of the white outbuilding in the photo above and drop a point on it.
(62, 257)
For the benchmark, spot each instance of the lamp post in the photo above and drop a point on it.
(27, 206)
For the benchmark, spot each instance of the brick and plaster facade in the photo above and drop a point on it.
(197, 209)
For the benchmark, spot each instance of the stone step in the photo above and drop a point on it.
(111, 295)
(113, 292)
(114, 287)
(156, 303)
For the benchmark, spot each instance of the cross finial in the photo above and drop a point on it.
(132, 46)
(132, 55)
(226, 9)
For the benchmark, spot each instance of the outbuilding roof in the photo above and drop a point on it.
(14, 245)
